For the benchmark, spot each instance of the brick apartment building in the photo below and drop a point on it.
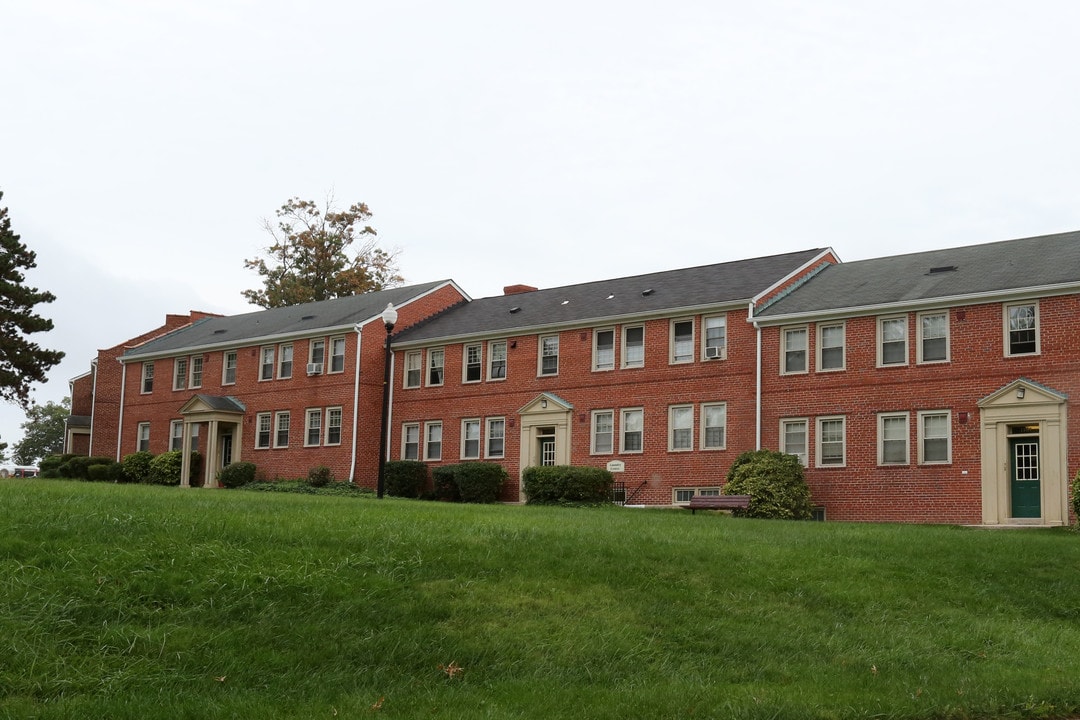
(929, 387)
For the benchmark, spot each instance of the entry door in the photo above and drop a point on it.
(226, 450)
(546, 440)
(1026, 490)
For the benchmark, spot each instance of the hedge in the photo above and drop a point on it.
(775, 483)
(567, 485)
(405, 478)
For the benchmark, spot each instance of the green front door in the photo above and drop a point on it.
(1025, 485)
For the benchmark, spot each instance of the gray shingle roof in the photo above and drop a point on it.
(992, 268)
(238, 330)
(671, 290)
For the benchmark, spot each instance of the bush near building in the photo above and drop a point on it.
(567, 485)
(775, 483)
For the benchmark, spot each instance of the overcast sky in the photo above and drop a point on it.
(142, 143)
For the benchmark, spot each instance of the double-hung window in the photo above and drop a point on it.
(333, 426)
(147, 377)
(473, 363)
(414, 361)
(603, 429)
(410, 441)
(893, 439)
(830, 347)
(793, 350)
(831, 442)
(470, 439)
(313, 427)
(682, 341)
(316, 356)
(285, 362)
(196, 371)
(604, 349)
(436, 361)
(337, 354)
(281, 437)
(1022, 329)
(262, 430)
(681, 428)
(497, 360)
(793, 438)
(549, 355)
(715, 341)
(433, 441)
(933, 337)
(935, 437)
(228, 368)
(266, 364)
(496, 437)
(632, 422)
(142, 442)
(180, 370)
(714, 426)
(633, 346)
(892, 341)
(176, 435)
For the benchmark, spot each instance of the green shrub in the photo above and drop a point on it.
(236, 474)
(567, 485)
(76, 467)
(319, 476)
(104, 472)
(775, 483)
(444, 484)
(405, 478)
(1076, 497)
(50, 466)
(136, 467)
(165, 468)
(480, 482)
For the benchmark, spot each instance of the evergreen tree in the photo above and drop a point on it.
(22, 361)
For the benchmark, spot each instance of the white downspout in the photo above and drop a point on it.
(93, 406)
(757, 389)
(120, 422)
(355, 405)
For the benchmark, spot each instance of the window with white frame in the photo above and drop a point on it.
(933, 337)
(414, 363)
(470, 439)
(633, 346)
(196, 371)
(337, 354)
(794, 437)
(549, 355)
(180, 370)
(715, 340)
(281, 435)
(433, 441)
(228, 368)
(682, 496)
(436, 362)
(935, 437)
(285, 361)
(680, 428)
(473, 363)
(333, 426)
(410, 441)
(497, 360)
(496, 437)
(793, 350)
(313, 427)
(632, 424)
(142, 439)
(713, 426)
(892, 341)
(176, 435)
(147, 377)
(266, 364)
(682, 341)
(262, 430)
(1022, 329)
(831, 442)
(892, 438)
(604, 349)
(317, 352)
(831, 338)
(603, 432)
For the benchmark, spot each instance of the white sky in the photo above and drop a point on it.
(143, 142)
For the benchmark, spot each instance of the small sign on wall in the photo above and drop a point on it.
(616, 466)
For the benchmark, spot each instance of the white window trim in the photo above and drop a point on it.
(919, 337)
(671, 340)
(817, 441)
(431, 353)
(881, 418)
(704, 407)
(592, 432)
(596, 349)
(225, 366)
(270, 436)
(262, 362)
(465, 363)
(329, 366)
(405, 373)
(276, 428)
(710, 491)
(311, 351)
(784, 349)
(881, 341)
(281, 360)
(191, 371)
(671, 428)
(705, 336)
(540, 354)
(479, 438)
(491, 360)
(622, 431)
(180, 380)
(405, 436)
(326, 425)
(142, 381)
(425, 441)
(819, 367)
(1005, 328)
(625, 364)
(309, 413)
(804, 459)
(922, 437)
(139, 433)
(486, 439)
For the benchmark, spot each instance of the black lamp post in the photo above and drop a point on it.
(389, 317)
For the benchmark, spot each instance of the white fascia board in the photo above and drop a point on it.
(791, 275)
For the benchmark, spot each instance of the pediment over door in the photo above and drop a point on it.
(546, 403)
(1022, 391)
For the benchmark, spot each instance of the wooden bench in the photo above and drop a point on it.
(718, 502)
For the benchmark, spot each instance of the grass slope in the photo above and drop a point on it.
(135, 602)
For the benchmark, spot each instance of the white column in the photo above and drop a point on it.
(212, 463)
(185, 456)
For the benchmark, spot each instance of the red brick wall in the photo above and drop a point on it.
(82, 395)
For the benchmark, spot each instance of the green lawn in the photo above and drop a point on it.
(138, 602)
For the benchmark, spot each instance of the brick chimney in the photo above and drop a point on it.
(518, 289)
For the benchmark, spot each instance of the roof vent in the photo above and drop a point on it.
(942, 269)
(308, 317)
(611, 296)
(647, 293)
(514, 309)
(219, 331)
(565, 302)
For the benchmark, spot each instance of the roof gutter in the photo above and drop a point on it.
(355, 405)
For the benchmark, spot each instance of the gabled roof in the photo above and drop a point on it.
(1036, 264)
(603, 300)
(296, 320)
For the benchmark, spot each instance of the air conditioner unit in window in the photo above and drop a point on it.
(314, 368)
(714, 352)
